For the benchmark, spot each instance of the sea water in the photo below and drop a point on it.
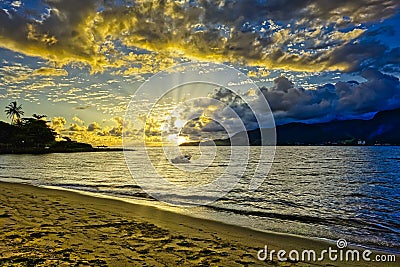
(319, 192)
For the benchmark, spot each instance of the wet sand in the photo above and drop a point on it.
(46, 227)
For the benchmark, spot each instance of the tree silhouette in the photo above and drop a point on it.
(38, 117)
(36, 132)
(14, 112)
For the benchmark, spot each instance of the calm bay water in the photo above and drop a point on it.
(323, 192)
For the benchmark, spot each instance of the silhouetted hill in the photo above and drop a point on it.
(383, 128)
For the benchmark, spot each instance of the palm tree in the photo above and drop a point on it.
(14, 112)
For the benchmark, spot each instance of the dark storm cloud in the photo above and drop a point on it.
(380, 91)
(236, 103)
(287, 101)
(354, 56)
(343, 100)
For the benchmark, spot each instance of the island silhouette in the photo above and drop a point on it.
(35, 136)
(382, 129)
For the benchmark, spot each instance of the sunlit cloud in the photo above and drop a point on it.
(316, 60)
(78, 120)
(301, 35)
(50, 72)
(95, 133)
(58, 124)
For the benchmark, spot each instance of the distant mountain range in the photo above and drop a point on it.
(383, 129)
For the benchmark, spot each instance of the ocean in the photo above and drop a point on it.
(331, 193)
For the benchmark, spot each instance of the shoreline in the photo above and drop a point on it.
(42, 151)
(181, 211)
(51, 219)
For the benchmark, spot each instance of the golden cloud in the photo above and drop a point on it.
(74, 32)
(58, 123)
(50, 72)
(94, 134)
(78, 120)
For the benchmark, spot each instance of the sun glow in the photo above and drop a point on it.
(176, 139)
(180, 123)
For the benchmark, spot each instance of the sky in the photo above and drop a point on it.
(80, 62)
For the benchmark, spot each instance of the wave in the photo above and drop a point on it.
(307, 219)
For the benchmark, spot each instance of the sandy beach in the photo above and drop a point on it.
(45, 227)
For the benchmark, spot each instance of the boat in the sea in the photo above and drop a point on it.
(182, 159)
